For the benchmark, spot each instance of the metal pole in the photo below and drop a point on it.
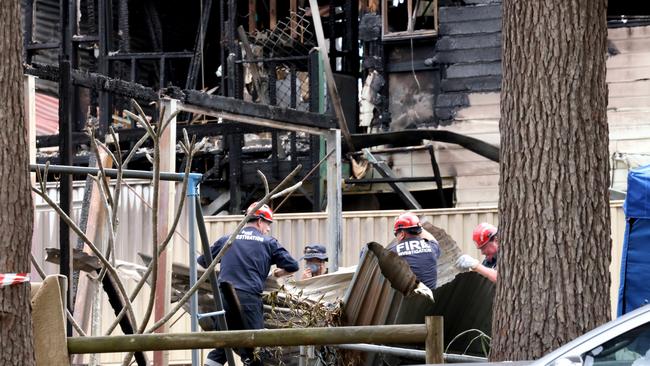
(192, 192)
(216, 293)
(410, 353)
(140, 174)
(396, 351)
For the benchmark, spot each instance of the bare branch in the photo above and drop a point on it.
(100, 165)
(116, 142)
(92, 247)
(305, 177)
(135, 148)
(221, 253)
(161, 113)
(143, 116)
(147, 126)
(154, 235)
(109, 210)
(107, 151)
(168, 121)
(163, 245)
(287, 191)
(266, 182)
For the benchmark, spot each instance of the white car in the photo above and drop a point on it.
(621, 342)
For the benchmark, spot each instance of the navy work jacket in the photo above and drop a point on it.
(422, 256)
(248, 261)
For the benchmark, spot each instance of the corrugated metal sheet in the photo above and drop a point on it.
(294, 231)
(47, 115)
(134, 235)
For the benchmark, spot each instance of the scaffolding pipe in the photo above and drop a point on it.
(387, 350)
(126, 173)
(192, 194)
(415, 354)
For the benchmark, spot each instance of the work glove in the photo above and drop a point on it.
(423, 290)
(466, 262)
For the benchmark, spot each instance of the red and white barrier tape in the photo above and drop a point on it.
(8, 279)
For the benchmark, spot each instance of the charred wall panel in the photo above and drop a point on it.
(413, 85)
(469, 55)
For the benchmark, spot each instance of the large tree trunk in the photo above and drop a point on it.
(554, 224)
(16, 215)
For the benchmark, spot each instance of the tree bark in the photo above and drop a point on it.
(554, 225)
(16, 212)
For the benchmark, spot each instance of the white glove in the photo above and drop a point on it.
(466, 262)
(423, 290)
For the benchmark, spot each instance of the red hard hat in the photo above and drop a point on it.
(263, 212)
(406, 220)
(483, 233)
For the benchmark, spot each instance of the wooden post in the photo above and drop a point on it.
(30, 118)
(165, 218)
(434, 342)
(252, 14)
(376, 334)
(255, 73)
(331, 85)
(293, 9)
(95, 229)
(334, 200)
(273, 14)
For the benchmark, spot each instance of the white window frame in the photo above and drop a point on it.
(410, 32)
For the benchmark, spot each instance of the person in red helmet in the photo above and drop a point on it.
(418, 247)
(246, 266)
(486, 240)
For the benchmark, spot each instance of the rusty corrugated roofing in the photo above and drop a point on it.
(465, 301)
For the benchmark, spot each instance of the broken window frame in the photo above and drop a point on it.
(410, 32)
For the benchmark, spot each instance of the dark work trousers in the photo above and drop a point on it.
(253, 318)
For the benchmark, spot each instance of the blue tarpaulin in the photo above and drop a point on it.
(634, 290)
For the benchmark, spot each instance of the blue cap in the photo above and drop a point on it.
(315, 251)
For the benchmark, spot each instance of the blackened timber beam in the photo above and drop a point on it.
(200, 101)
(257, 80)
(105, 26)
(95, 81)
(28, 28)
(331, 84)
(415, 137)
(234, 143)
(197, 58)
(436, 172)
(66, 115)
(251, 120)
(399, 187)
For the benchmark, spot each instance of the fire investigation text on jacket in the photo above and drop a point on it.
(248, 261)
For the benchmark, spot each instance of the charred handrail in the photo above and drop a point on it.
(385, 334)
(274, 59)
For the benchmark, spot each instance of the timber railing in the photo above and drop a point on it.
(430, 334)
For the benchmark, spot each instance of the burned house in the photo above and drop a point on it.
(419, 84)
